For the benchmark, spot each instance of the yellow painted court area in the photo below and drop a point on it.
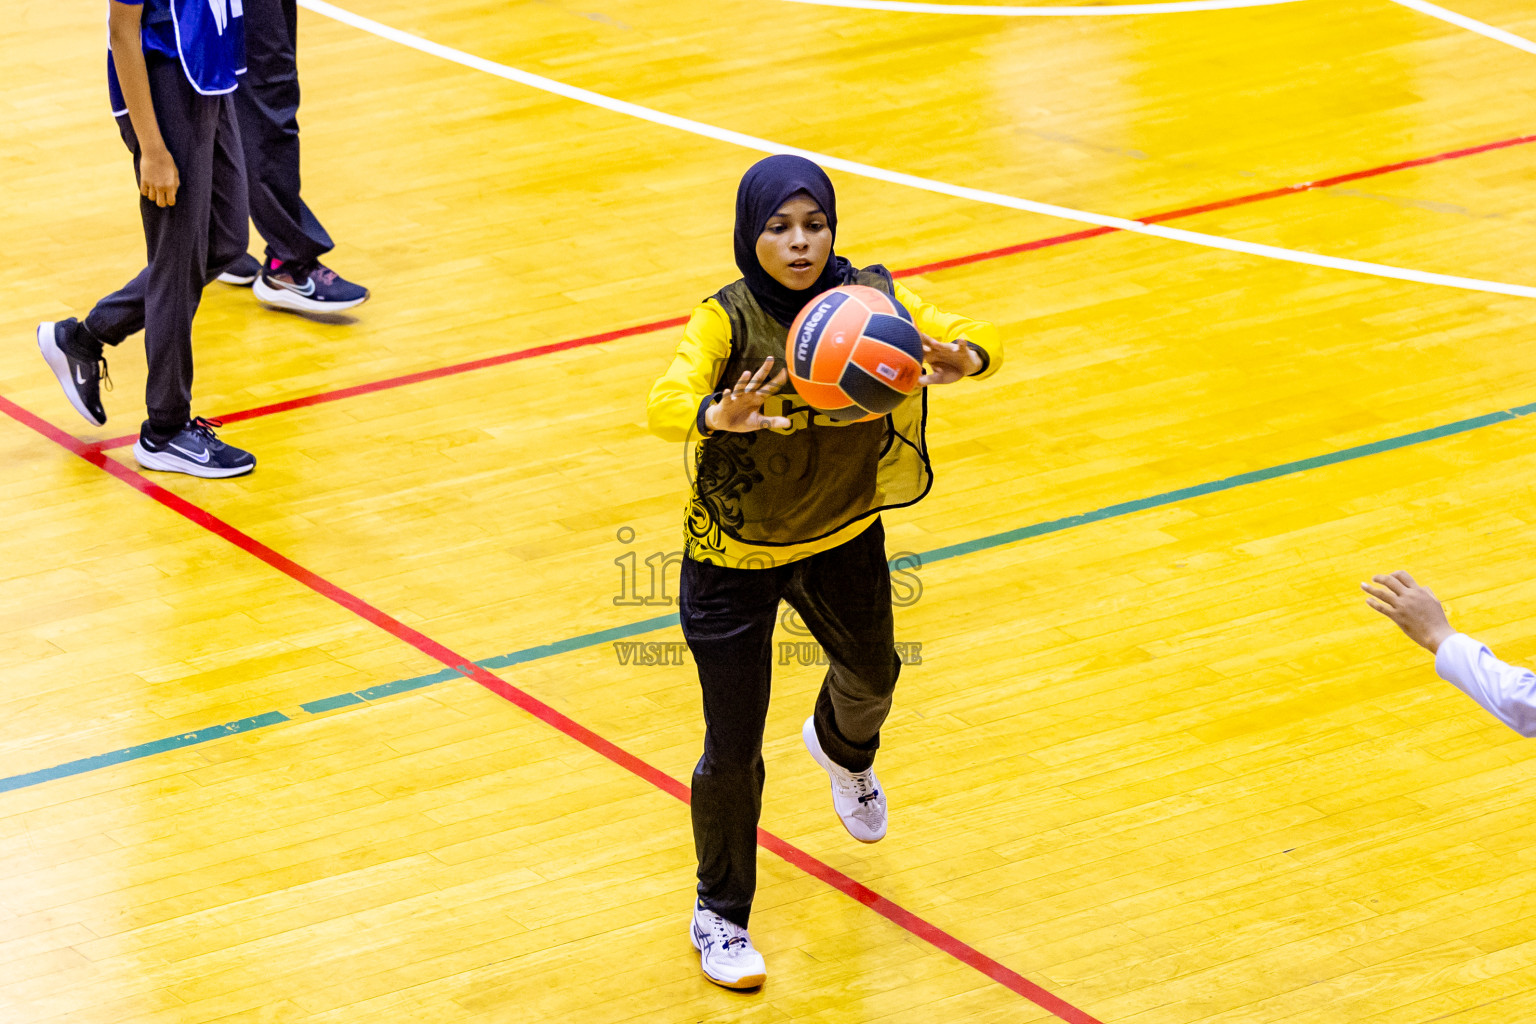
(1159, 761)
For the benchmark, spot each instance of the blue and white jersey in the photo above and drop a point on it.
(207, 36)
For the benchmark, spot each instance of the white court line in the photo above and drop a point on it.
(1086, 10)
(751, 142)
(1460, 20)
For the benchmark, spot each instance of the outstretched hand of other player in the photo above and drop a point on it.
(947, 361)
(740, 410)
(1415, 609)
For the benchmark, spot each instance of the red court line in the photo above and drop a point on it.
(421, 375)
(442, 371)
(957, 261)
(1222, 204)
(893, 912)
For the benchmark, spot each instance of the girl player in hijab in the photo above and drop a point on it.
(786, 505)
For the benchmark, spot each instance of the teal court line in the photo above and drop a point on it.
(602, 636)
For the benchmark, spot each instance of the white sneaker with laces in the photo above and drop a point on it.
(857, 797)
(725, 951)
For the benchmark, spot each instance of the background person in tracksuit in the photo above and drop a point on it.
(171, 67)
(291, 275)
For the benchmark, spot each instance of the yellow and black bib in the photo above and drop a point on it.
(781, 488)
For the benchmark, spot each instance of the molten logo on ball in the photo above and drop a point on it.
(854, 353)
(811, 330)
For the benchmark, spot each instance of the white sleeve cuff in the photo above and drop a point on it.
(1505, 691)
(1454, 659)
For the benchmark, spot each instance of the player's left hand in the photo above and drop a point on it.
(947, 361)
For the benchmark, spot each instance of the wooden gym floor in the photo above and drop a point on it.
(1158, 764)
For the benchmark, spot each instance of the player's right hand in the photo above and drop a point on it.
(158, 179)
(740, 409)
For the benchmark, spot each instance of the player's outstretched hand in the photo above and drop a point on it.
(740, 410)
(1415, 609)
(947, 361)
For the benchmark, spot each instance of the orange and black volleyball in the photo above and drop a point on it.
(853, 353)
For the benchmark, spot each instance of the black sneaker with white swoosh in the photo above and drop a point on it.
(307, 287)
(79, 377)
(195, 450)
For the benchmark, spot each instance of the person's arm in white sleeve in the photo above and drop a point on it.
(1507, 692)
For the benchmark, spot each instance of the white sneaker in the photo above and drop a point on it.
(856, 796)
(725, 951)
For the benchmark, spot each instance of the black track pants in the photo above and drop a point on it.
(188, 244)
(844, 597)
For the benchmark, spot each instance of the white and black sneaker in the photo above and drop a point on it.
(195, 450)
(856, 796)
(79, 376)
(243, 272)
(725, 951)
(306, 287)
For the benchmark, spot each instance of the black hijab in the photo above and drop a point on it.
(768, 185)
